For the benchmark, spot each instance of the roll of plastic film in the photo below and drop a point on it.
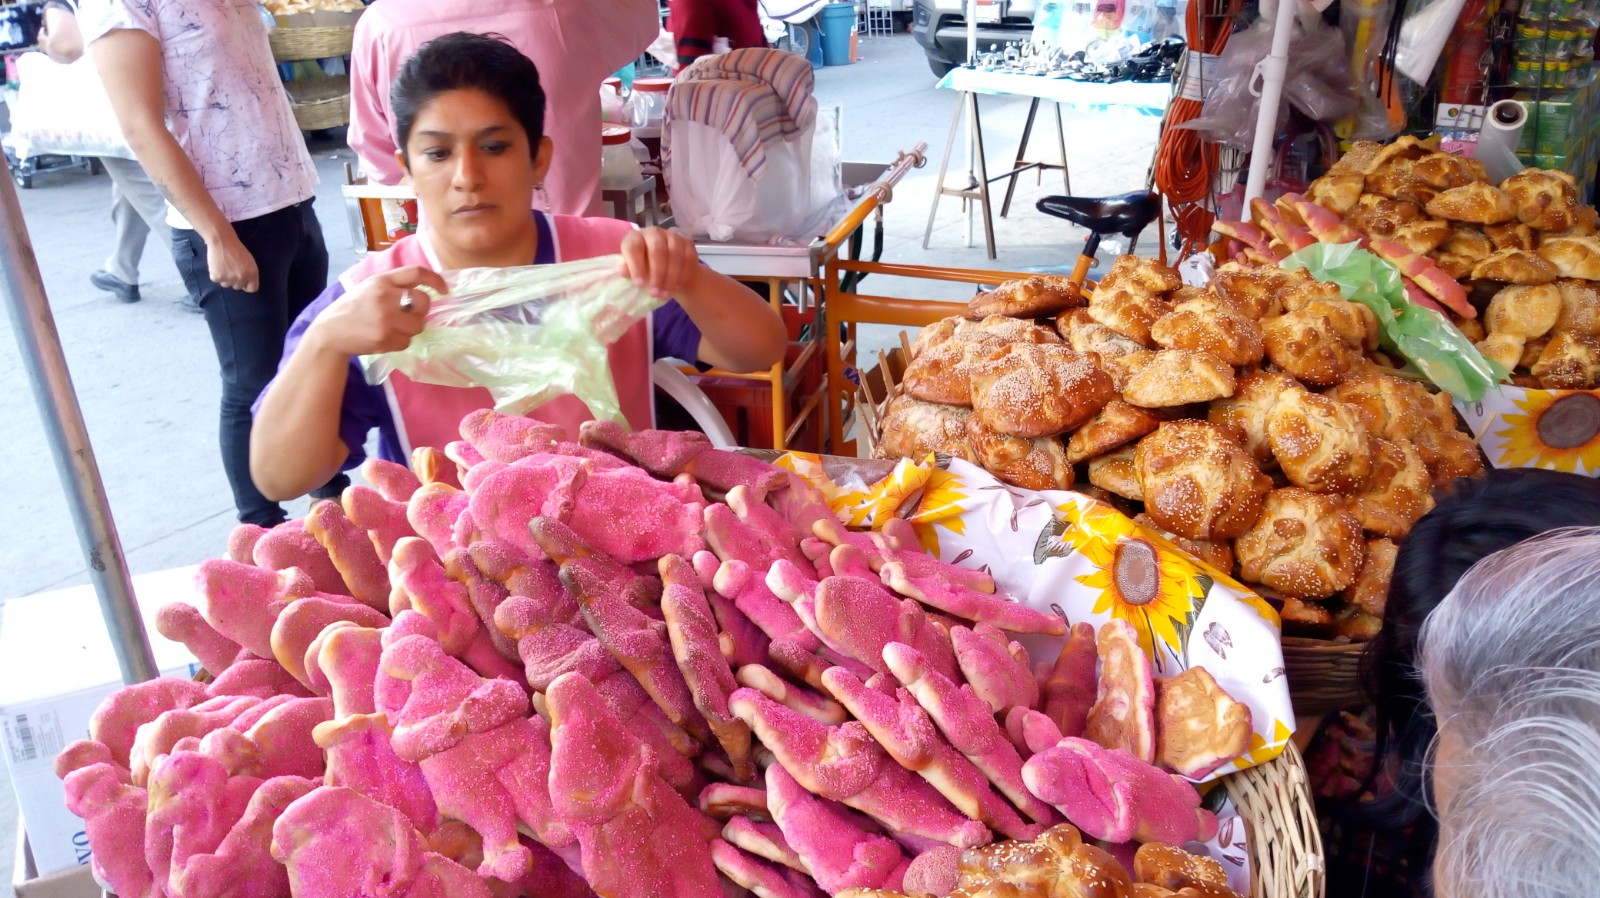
(1497, 143)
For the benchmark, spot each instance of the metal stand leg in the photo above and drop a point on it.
(1061, 143)
(944, 169)
(983, 176)
(1022, 153)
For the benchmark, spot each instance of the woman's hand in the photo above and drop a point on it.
(661, 261)
(230, 263)
(380, 315)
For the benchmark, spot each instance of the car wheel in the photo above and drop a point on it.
(940, 67)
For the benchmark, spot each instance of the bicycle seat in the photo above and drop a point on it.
(1127, 214)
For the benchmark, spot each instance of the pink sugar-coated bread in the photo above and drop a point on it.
(760, 877)
(725, 801)
(848, 561)
(509, 438)
(936, 871)
(747, 643)
(663, 453)
(291, 545)
(815, 705)
(302, 621)
(965, 720)
(336, 843)
(795, 662)
(846, 764)
(484, 595)
(903, 729)
(257, 677)
(242, 865)
(552, 875)
(370, 639)
(361, 757)
(638, 838)
(764, 840)
(538, 486)
(421, 583)
(561, 544)
(1031, 731)
(801, 504)
(432, 512)
(997, 668)
(113, 811)
(394, 481)
(1124, 709)
(182, 622)
(242, 543)
(882, 549)
(734, 540)
(722, 471)
(857, 617)
(828, 838)
(746, 587)
(194, 803)
(242, 601)
(161, 735)
(634, 518)
(754, 513)
(1111, 795)
(1068, 687)
(820, 554)
(964, 602)
(352, 552)
(115, 724)
(431, 465)
(466, 456)
(697, 649)
(486, 763)
(280, 743)
(384, 519)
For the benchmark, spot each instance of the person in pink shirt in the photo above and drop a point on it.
(576, 45)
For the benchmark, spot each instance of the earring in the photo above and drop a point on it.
(543, 198)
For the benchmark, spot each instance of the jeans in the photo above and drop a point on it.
(248, 328)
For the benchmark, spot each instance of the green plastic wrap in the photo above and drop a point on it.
(527, 334)
(1421, 336)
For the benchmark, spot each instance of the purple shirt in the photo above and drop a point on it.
(673, 336)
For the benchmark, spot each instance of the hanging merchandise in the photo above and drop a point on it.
(1185, 161)
(1423, 37)
(1371, 29)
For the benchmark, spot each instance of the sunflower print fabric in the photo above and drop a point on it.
(1558, 430)
(1066, 551)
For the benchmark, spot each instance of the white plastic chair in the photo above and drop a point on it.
(665, 374)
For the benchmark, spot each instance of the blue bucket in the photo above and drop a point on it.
(837, 20)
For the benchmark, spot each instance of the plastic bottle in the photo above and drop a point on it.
(1108, 16)
(1047, 23)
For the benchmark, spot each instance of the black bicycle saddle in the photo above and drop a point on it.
(1127, 214)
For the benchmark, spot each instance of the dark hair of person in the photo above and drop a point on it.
(1474, 518)
(466, 61)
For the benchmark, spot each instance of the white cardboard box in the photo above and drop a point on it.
(26, 881)
(56, 667)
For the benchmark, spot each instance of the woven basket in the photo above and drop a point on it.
(1286, 859)
(320, 103)
(315, 42)
(1323, 675)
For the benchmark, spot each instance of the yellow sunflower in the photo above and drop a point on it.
(899, 493)
(1092, 529)
(1561, 431)
(1151, 589)
(941, 504)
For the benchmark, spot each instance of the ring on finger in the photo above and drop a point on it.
(407, 303)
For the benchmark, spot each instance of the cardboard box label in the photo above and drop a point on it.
(1558, 430)
(32, 737)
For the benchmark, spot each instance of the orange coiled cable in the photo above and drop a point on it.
(1185, 161)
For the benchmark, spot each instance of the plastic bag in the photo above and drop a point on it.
(1318, 83)
(526, 334)
(64, 109)
(1421, 336)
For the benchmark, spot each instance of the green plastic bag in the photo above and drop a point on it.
(1421, 336)
(526, 334)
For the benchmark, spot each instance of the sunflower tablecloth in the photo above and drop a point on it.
(1066, 551)
(1558, 430)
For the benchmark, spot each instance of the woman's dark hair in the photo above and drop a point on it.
(466, 61)
(1474, 519)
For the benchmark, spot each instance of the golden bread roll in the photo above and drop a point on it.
(934, 335)
(1197, 482)
(1217, 553)
(1309, 348)
(1299, 289)
(1115, 473)
(1395, 181)
(1033, 464)
(1574, 257)
(1041, 296)
(1515, 266)
(912, 429)
(1337, 192)
(1569, 362)
(1304, 615)
(1505, 349)
(1456, 266)
(1356, 625)
(1511, 235)
(1252, 292)
(1580, 308)
(1306, 545)
(1171, 867)
(1399, 492)
(1177, 377)
(1148, 275)
(1471, 328)
(1531, 351)
(1003, 330)
(1547, 200)
(1199, 727)
(1443, 171)
(1380, 216)
(1207, 324)
(1481, 204)
(1085, 334)
(1118, 424)
(1524, 311)
(1130, 311)
(1386, 404)
(1370, 592)
(1472, 243)
(1423, 237)
(1255, 394)
(1027, 390)
(943, 373)
(1320, 443)
(1352, 321)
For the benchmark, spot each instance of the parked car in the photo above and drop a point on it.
(940, 26)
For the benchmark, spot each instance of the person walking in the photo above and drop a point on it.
(137, 208)
(576, 45)
(240, 180)
(696, 25)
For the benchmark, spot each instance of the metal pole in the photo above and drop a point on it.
(46, 366)
(1273, 70)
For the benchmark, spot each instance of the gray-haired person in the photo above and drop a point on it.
(1511, 660)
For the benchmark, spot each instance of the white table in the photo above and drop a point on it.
(1145, 99)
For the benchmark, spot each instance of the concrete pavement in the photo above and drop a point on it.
(146, 374)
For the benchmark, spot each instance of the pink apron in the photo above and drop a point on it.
(429, 415)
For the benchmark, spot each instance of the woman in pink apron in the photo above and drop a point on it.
(469, 114)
